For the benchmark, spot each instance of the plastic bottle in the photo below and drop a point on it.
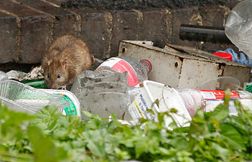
(137, 71)
(193, 100)
(209, 99)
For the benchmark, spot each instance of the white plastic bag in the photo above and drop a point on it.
(238, 27)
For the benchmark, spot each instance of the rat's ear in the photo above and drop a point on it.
(63, 63)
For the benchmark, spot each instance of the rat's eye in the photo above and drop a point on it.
(58, 76)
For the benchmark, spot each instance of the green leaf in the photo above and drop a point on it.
(230, 132)
(43, 147)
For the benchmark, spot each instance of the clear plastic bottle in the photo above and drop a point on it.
(137, 71)
(193, 100)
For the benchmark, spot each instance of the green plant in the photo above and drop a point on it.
(51, 137)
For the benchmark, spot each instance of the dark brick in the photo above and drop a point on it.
(184, 16)
(34, 31)
(65, 22)
(125, 26)
(156, 26)
(96, 31)
(8, 38)
(214, 16)
(35, 38)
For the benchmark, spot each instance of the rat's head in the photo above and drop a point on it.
(55, 73)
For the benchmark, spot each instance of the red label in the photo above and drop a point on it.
(217, 94)
(123, 66)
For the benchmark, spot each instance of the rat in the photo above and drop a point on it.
(65, 59)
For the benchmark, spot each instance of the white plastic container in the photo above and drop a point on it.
(21, 97)
(159, 98)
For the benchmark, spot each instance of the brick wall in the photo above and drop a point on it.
(28, 27)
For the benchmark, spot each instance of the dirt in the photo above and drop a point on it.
(142, 4)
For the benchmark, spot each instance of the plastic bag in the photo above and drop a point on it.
(238, 27)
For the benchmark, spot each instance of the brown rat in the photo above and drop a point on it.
(66, 58)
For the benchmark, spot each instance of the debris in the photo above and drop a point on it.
(137, 71)
(238, 26)
(238, 57)
(181, 66)
(103, 93)
(3, 76)
(36, 73)
(21, 97)
(158, 97)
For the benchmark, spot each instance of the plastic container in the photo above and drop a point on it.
(136, 71)
(73, 106)
(21, 97)
(238, 27)
(159, 98)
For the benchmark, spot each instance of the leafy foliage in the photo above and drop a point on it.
(51, 137)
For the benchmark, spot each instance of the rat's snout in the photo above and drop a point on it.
(54, 86)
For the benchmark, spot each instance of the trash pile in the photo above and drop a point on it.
(120, 86)
(145, 80)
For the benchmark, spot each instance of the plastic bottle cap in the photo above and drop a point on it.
(147, 63)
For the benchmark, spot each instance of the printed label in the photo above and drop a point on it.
(70, 109)
(217, 94)
(139, 107)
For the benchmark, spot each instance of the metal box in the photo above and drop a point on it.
(183, 67)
